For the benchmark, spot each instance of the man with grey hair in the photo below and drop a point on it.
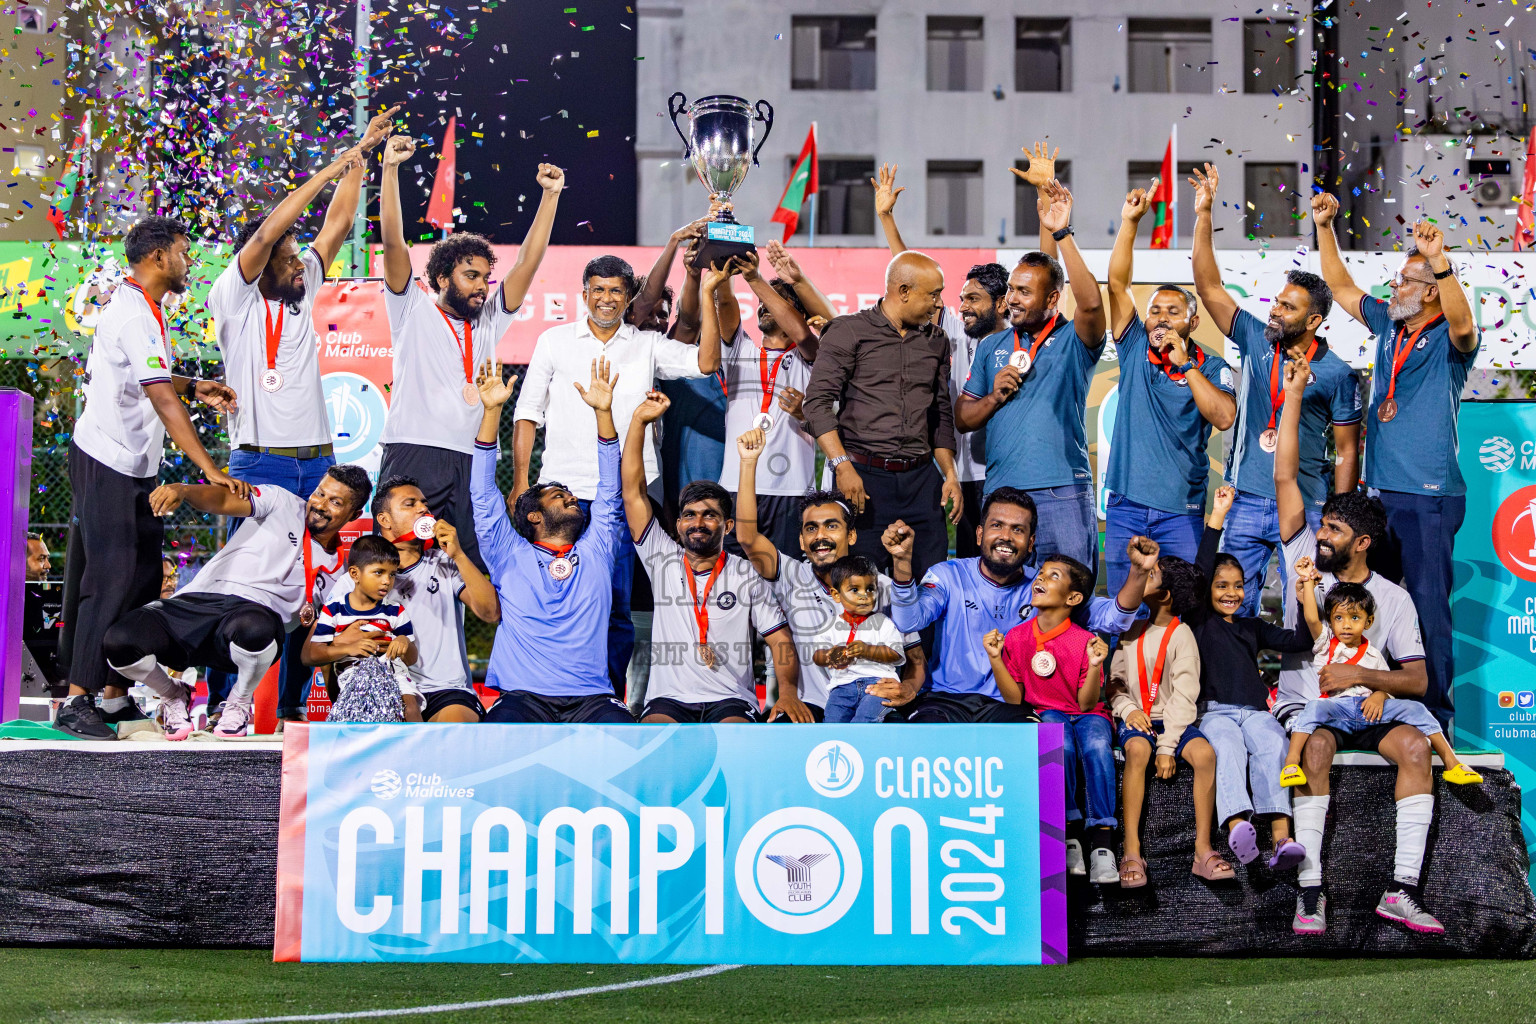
(878, 405)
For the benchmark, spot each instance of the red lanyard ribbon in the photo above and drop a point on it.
(767, 377)
(310, 572)
(154, 307)
(1333, 645)
(1276, 392)
(1149, 688)
(466, 347)
(701, 608)
(1401, 355)
(1041, 639)
(274, 338)
(562, 549)
(854, 622)
(1161, 359)
(1039, 338)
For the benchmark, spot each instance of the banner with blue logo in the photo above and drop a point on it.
(1493, 601)
(911, 844)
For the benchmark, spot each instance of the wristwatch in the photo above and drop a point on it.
(836, 461)
(1187, 367)
(1447, 272)
(192, 383)
(1063, 233)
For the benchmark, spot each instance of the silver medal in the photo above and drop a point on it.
(763, 421)
(271, 381)
(561, 567)
(1021, 361)
(424, 527)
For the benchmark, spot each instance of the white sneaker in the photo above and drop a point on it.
(1075, 864)
(174, 717)
(235, 720)
(1105, 871)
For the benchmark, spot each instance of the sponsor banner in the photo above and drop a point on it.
(1493, 602)
(672, 844)
(356, 367)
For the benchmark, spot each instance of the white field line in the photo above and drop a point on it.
(538, 997)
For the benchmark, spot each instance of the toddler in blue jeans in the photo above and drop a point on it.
(869, 652)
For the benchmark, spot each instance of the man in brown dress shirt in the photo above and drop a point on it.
(887, 370)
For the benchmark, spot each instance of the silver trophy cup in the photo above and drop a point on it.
(719, 146)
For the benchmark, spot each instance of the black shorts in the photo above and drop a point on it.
(1367, 739)
(594, 709)
(818, 713)
(437, 700)
(967, 707)
(194, 630)
(708, 713)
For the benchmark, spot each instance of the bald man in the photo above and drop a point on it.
(878, 405)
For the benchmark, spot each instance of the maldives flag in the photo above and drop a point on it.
(440, 207)
(803, 182)
(1525, 230)
(64, 196)
(1162, 203)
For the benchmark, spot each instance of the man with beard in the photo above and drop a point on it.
(970, 597)
(262, 306)
(434, 406)
(1426, 341)
(232, 615)
(132, 401)
(1171, 394)
(1353, 523)
(552, 567)
(708, 601)
(1034, 379)
(1296, 314)
(801, 587)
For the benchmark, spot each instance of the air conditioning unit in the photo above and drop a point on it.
(1492, 182)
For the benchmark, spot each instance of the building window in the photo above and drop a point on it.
(1271, 50)
(1139, 174)
(954, 197)
(832, 53)
(1026, 218)
(955, 55)
(1042, 55)
(1170, 54)
(846, 203)
(1270, 209)
(32, 18)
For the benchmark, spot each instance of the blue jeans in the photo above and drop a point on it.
(1088, 741)
(301, 477)
(1250, 750)
(1342, 714)
(1067, 523)
(1421, 530)
(849, 703)
(1177, 533)
(621, 628)
(1252, 536)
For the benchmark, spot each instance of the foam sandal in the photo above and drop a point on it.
(1133, 872)
(1461, 775)
(1243, 838)
(1293, 776)
(1287, 855)
(1212, 868)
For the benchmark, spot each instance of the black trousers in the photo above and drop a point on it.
(970, 518)
(778, 519)
(443, 476)
(193, 629)
(112, 563)
(913, 497)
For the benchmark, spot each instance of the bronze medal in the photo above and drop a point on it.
(1269, 440)
(307, 614)
(1044, 664)
(1387, 411)
(706, 655)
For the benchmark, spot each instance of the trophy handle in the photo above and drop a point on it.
(676, 104)
(765, 115)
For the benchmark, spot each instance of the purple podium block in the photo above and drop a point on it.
(15, 495)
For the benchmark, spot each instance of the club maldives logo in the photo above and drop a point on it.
(834, 768)
(1514, 533)
(1497, 454)
(386, 784)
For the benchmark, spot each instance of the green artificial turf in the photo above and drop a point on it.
(156, 986)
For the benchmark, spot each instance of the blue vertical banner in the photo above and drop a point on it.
(672, 844)
(1493, 601)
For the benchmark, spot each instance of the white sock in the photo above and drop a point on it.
(1414, 814)
(148, 671)
(1309, 813)
(250, 666)
(114, 703)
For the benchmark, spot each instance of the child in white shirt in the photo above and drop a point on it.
(870, 650)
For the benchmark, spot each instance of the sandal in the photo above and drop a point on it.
(1461, 775)
(1293, 776)
(1212, 868)
(1133, 872)
(1243, 838)
(1287, 855)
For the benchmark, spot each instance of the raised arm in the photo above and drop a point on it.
(713, 281)
(343, 208)
(816, 304)
(761, 552)
(886, 194)
(637, 507)
(1122, 306)
(1040, 172)
(1289, 505)
(1430, 243)
(993, 643)
(1218, 302)
(656, 281)
(1345, 292)
(1089, 314)
(397, 255)
(783, 312)
(686, 327)
(254, 254)
(727, 307)
(210, 498)
(514, 287)
(492, 527)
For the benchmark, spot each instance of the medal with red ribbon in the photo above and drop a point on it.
(1149, 686)
(467, 352)
(701, 607)
(764, 419)
(271, 380)
(1044, 662)
(1270, 439)
(1386, 412)
(562, 565)
(1022, 360)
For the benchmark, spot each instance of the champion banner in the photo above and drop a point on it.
(680, 844)
(1493, 603)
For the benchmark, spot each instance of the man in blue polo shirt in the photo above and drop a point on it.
(1296, 314)
(970, 597)
(1171, 394)
(1030, 383)
(553, 570)
(1426, 341)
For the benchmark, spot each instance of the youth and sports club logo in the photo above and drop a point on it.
(834, 768)
(1497, 454)
(798, 870)
(1514, 533)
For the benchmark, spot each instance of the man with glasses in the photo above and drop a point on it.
(1426, 341)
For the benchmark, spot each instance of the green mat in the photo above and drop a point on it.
(24, 730)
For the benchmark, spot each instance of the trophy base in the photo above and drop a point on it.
(722, 242)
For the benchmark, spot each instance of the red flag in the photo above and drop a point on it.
(440, 207)
(803, 183)
(1525, 230)
(1162, 203)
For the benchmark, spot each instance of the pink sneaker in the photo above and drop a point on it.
(235, 720)
(175, 720)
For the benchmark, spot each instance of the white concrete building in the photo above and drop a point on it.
(951, 92)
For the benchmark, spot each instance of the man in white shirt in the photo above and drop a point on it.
(132, 401)
(233, 614)
(708, 601)
(262, 307)
(562, 358)
(441, 338)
